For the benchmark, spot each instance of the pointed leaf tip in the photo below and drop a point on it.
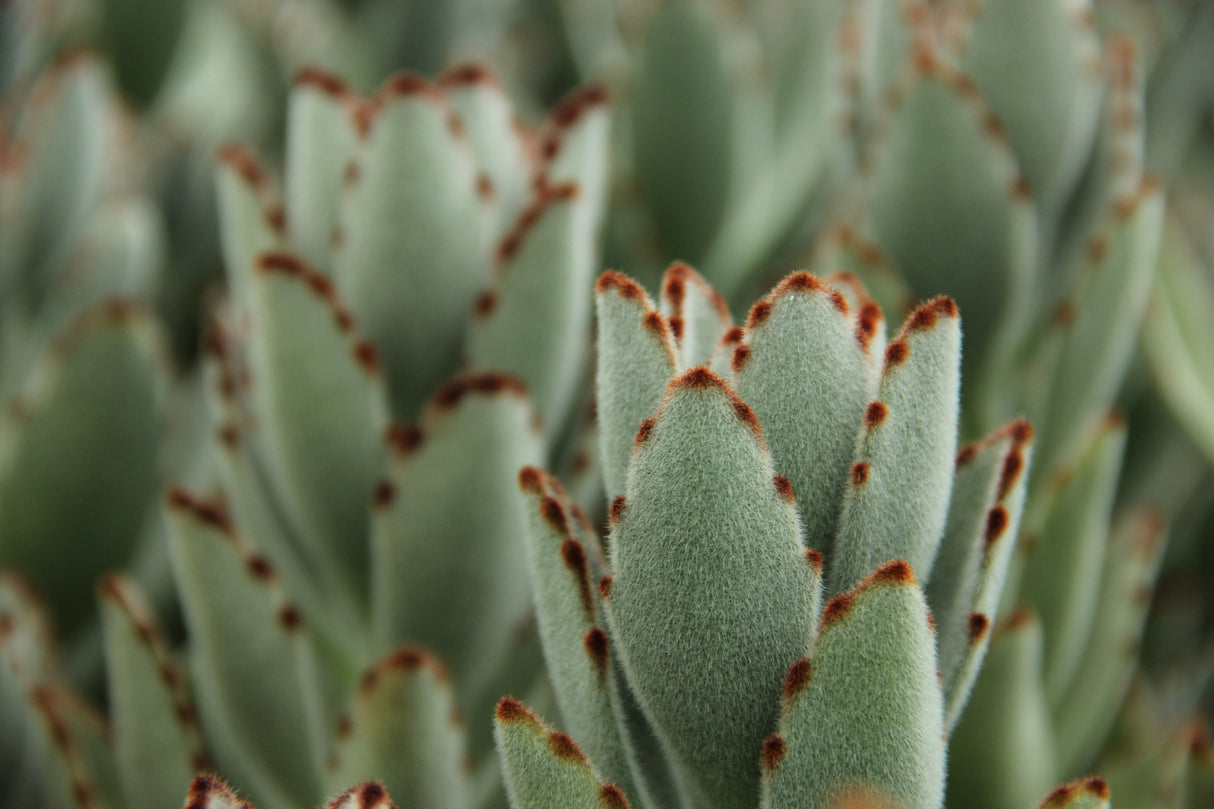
(510, 709)
(1068, 794)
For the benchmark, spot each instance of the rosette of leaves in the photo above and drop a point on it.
(801, 572)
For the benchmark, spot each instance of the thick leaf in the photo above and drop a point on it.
(321, 139)
(864, 716)
(707, 554)
(78, 472)
(323, 410)
(806, 370)
(404, 729)
(368, 795)
(698, 316)
(140, 40)
(209, 792)
(156, 743)
(534, 322)
(574, 148)
(414, 248)
(1086, 793)
(448, 569)
(250, 217)
(249, 658)
(896, 501)
(636, 359)
(544, 768)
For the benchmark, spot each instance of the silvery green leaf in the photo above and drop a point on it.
(863, 718)
(701, 487)
(574, 148)
(250, 217)
(698, 316)
(1086, 793)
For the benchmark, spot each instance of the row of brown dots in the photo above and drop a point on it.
(109, 312)
(246, 165)
(567, 114)
(545, 197)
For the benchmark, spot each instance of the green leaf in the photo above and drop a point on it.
(415, 246)
(684, 110)
(574, 148)
(863, 718)
(533, 323)
(1012, 768)
(25, 659)
(156, 743)
(1098, 324)
(74, 759)
(805, 368)
(447, 568)
(697, 315)
(1062, 575)
(1086, 793)
(248, 657)
(141, 41)
(78, 463)
(1039, 66)
(404, 729)
(322, 136)
(544, 768)
(577, 650)
(975, 554)
(636, 359)
(707, 554)
(250, 217)
(1085, 716)
(841, 251)
(896, 501)
(944, 189)
(321, 400)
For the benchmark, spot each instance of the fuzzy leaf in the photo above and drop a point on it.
(323, 408)
(1086, 793)
(865, 714)
(636, 359)
(1039, 65)
(972, 566)
(78, 471)
(248, 657)
(896, 502)
(707, 554)
(156, 742)
(447, 572)
(698, 316)
(405, 730)
(945, 189)
(368, 795)
(805, 369)
(322, 137)
(544, 768)
(415, 238)
(1008, 696)
(577, 650)
(1062, 577)
(209, 792)
(533, 324)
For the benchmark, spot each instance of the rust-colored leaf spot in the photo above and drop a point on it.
(1021, 431)
(531, 479)
(740, 355)
(699, 378)
(404, 438)
(260, 568)
(813, 559)
(202, 788)
(1097, 787)
(926, 316)
(867, 324)
(546, 196)
(321, 80)
(784, 487)
(1020, 190)
(605, 587)
(676, 327)
(229, 436)
(370, 795)
(1020, 617)
(774, 749)
(859, 473)
(185, 713)
(733, 335)
(81, 793)
(1060, 797)
(554, 514)
(573, 555)
(282, 262)
(978, 625)
(345, 726)
(800, 282)
(289, 618)
(351, 174)
(563, 746)
(797, 678)
(675, 287)
(746, 415)
(645, 430)
(484, 187)
(966, 455)
(598, 647)
(467, 74)
(836, 608)
(896, 353)
(657, 324)
(1097, 248)
(384, 494)
(407, 658)
(618, 504)
(404, 84)
(367, 356)
(1013, 465)
(994, 128)
(839, 301)
(875, 413)
(758, 313)
(612, 797)
(245, 164)
(895, 572)
(211, 514)
(625, 286)
(997, 520)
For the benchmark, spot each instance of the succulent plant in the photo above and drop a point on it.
(818, 465)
